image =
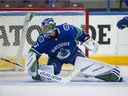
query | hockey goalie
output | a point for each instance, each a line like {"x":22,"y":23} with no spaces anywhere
{"x":59,"y":42}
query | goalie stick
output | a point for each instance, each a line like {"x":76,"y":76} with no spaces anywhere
{"x":27,"y":20}
{"x":14,"y":63}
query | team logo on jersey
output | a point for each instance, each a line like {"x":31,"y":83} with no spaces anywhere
{"x":60,"y":45}
{"x":63,"y":53}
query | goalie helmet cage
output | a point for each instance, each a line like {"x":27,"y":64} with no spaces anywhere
{"x":11,"y":64}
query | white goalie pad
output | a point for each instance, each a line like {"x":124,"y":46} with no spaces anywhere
{"x":46,"y":73}
{"x":31,"y":59}
{"x":47,"y":68}
{"x":91,"y":67}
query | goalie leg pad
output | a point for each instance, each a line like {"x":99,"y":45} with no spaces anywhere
{"x":91,"y":67}
{"x":32,"y":66}
{"x":46,"y":76}
{"x":44,"y":73}
{"x":98,"y":70}
{"x":110,"y":76}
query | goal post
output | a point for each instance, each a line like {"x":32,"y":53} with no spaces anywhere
{"x":11,"y":30}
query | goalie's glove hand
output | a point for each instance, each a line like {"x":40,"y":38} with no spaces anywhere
{"x":92,"y":45}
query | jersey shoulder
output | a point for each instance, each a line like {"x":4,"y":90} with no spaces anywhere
{"x":40,"y":42}
{"x":65,"y":27}
{"x":42,"y":39}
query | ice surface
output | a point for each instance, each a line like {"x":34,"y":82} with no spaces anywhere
{"x":20,"y":84}
{"x":22,"y":77}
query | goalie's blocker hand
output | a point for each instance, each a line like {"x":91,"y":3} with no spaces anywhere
{"x":92,"y":45}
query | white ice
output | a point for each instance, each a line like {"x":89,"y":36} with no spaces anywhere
{"x":19,"y":84}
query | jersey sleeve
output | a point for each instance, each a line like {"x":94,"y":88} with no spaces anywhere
{"x":39,"y":46}
{"x":81,"y":36}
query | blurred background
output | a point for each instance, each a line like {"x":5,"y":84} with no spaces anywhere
{"x":91,"y":5}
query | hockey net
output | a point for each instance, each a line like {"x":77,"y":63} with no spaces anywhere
{"x":16,"y":37}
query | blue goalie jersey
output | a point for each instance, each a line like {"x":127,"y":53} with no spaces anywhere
{"x":64,"y":46}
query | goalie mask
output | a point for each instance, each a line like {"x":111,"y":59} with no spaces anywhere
{"x":48,"y":25}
